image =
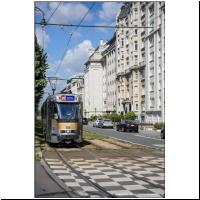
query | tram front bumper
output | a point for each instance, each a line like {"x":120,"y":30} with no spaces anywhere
{"x":68,"y":136}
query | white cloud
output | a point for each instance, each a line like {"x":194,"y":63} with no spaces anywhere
{"x":76,"y":57}
{"x":73,"y":63}
{"x":69,"y":12}
{"x":42,"y":36}
{"x":109,"y":11}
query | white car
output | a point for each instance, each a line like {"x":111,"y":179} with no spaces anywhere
{"x":105,"y":123}
{"x":96,"y":123}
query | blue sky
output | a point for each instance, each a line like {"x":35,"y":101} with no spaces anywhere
{"x":55,"y":38}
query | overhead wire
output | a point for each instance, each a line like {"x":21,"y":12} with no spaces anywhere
{"x":71,"y":37}
{"x":54,"y":12}
{"x":94,"y":26}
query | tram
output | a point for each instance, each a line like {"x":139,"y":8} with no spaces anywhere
{"x":62,"y":118}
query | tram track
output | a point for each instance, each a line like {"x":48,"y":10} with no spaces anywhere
{"x":120,"y":168}
{"x":101,"y":190}
{"x":121,"y":145}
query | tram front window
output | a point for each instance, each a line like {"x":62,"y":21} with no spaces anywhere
{"x":68,"y":111}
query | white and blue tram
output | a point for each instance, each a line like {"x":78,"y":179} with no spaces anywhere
{"x":62,"y":118}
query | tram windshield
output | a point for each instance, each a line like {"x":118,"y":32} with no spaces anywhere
{"x":68,"y":111}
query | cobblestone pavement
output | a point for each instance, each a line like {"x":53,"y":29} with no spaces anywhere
{"x":122,"y":176}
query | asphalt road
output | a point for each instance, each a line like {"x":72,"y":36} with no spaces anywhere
{"x":145,"y":138}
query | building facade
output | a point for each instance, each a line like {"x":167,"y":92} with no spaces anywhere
{"x":130,"y":68}
{"x":155,"y":62}
{"x":93,"y":77}
{"x":109,"y":76}
{"x":140,"y":60}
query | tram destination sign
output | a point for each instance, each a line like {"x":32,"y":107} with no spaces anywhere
{"x":70,"y":98}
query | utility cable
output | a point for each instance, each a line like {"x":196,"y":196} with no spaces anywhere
{"x":71,"y":37}
{"x":53,"y":12}
{"x":93,"y":26}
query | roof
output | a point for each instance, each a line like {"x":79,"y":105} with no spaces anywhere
{"x":125,"y":10}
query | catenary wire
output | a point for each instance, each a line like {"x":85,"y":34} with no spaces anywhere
{"x":71,"y":37}
{"x":53,"y":12}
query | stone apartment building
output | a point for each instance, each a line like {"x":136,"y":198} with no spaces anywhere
{"x":140,"y":60}
{"x":109,"y":76}
{"x":93,"y":77}
{"x":126,"y":73}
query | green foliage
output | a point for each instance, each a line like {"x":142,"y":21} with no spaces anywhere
{"x":115,"y":117}
{"x":130,"y":116}
{"x":93,"y":118}
{"x":38,"y":127}
{"x":40,"y":69}
{"x":158,"y":125}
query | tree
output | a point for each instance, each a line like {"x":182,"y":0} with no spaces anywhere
{"x":130,"y":115}
{"x":40,"y":69}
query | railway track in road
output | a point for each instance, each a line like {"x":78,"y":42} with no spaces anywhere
{"x":121,"y":169}
{"x":99,"y":191}
{"x":139,"y":158}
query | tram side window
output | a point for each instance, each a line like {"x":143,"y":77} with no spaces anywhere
{"x":55,"y":112}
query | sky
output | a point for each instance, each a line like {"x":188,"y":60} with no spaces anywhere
{"x":68,"y":60}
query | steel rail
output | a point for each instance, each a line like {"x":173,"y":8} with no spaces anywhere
{"x":135,"y":156}
{"x":119,"y":168}
{"x":95,"y":185}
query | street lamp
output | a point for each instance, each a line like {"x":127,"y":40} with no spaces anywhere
{"x":43,"y":22}
{"x":53,"y":83}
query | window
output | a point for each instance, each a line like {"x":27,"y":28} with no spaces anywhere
{"x":151,"y":10}
{"x":136,"y":45}
{"x":136,"y":106}
{"x":136,"y":75}
{"x":135,"y":31}
{"x":136,"y":59}
{"x":68,"y":111}
{"x":122,"y":42}
{"x":151,"y":41}
{"x":151,"y":86}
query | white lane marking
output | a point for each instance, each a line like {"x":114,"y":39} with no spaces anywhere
{"x":147,"y":137}
{"x":159,"y":145}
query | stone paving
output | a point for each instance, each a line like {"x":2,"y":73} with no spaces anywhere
{"x":144,"y":176}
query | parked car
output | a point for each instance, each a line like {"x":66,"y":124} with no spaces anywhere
{"x":105,"y":123}
{"x":96,"y":123}
{"x":162,"y":133}
{"x":85,"y":121}
{"x":127,"y":125}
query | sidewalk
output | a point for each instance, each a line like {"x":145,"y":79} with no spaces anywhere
{"x":44,"y":186}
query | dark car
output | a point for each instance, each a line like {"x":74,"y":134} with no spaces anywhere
{"x":162,"y":133}
{"x":85,"y":121}
{"x":127,"y":125}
